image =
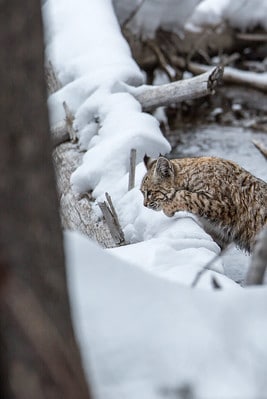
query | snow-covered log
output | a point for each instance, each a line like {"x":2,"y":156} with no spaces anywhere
{"x":76,"y":212}
{"x":155,"y":96}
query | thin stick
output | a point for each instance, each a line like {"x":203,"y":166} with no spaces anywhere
{"x":132,"y":14}
{"x":111,"y":218}
{"x":132,"y":169}
{"x":161,"y":58}
{"x":208,"y":265}
{"x":258,"y":265}
{"x":69,"y":122}
{"x":261,"y":148}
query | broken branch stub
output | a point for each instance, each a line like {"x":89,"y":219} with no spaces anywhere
{"x":132,"y":169}
{"x":111,"y":218}
{"x":64,"y":131}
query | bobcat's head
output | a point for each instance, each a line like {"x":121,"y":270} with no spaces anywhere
{"x":158,"y":183}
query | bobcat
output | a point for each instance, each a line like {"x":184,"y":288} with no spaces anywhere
{"x":229,"y":200}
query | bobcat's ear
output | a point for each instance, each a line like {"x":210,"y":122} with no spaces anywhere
{"x":148,"y":162}
{"x":163,"y":168}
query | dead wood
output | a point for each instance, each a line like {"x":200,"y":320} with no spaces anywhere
{"x":151,"y":97}
{"x":111,"y":218}
{"x":132,"y":169}
{"x":205,"y":84}
{"x":76,"y":211}
{"x":64,"y":130}
{"x":258,"y":265}
{"x":252,"y":37}
{"x":260,"y":147}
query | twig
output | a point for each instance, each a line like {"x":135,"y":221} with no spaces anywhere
{"x":208,"y":265}
{"x":132,"y":14}
{"x":64,"y":130}
{"x":253,"y":37}
{"x":160,"y":57}
{"x":258,"y":265}
{"x":69,"y":123}
{"x":111,"y":218}
{"x":132,"y":169}
{"x":260,"y":147}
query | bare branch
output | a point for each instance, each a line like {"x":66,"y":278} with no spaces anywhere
{"x":260,"y":147}
{"x":208,"y":265}
{"x":69,"y":122}
{"x":160,"y":57}
{"x":64,"y":131}
{"x":132,"y":169}
{"x":111,"y":218}
{"x":132,"y":14}
{"x":256,"y":271}
{"x":252,"y":37}
{"x":199,"y":86}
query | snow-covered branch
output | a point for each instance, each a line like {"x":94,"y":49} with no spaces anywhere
{"x":155,"y":96}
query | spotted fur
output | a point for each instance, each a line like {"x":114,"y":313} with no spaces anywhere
{"x":229,"y":200}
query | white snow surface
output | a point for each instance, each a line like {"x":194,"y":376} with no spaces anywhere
{"x":145,"y":337}
{"x":241,"y":14}
{"x":143,"y":332}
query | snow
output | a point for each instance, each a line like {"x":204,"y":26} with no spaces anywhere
{"x":167,"y":14}
{"x":143,"y":336}
{"x":241,"y":14}
{"x":142,"y":330}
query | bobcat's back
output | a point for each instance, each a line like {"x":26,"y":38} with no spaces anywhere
{"x":229,"y":200}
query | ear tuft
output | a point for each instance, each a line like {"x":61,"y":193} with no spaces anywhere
{"x":148,"y":161}
{"x":163,"y":168}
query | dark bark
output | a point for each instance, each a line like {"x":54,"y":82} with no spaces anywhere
{"x":42,"y":359}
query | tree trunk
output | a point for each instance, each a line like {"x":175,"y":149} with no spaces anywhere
{"x":41,"y":355}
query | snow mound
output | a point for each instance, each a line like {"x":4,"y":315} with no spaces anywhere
{"x":242,"y":14}
{"x":143,"y":337}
